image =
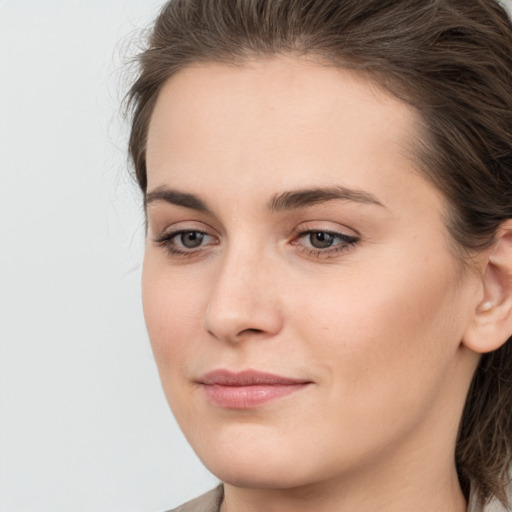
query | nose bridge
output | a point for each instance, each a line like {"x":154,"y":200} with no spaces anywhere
{"x":242,"y":298}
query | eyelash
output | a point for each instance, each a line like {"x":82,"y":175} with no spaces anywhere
{"x":346,"y":243}
{"x":166,"y":241}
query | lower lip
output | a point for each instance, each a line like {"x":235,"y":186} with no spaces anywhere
{"x":248,"y":397}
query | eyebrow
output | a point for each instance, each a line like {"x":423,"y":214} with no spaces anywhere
{"x":175,"y":197}
{"x":291,"y":200}
{"x":297,"y":199}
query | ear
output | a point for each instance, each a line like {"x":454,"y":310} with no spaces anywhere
{"x":491,"y":325}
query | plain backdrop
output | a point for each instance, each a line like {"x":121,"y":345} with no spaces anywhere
{"x":84,"y":426}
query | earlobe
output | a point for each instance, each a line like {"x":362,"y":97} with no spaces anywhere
{"x":485,"y":306}
{"x":491,"y":325}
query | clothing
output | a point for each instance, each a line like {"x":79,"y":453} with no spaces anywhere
{"x":209,"y":502}
{"x":212,"y":500}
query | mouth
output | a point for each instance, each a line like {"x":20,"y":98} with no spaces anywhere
{"x":247,"y":389}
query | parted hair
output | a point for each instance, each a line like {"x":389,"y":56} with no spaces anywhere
{"x":451,"y":60}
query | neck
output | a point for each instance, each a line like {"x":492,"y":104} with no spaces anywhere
{"x":446,"y":496}
{"x":419,"y":479}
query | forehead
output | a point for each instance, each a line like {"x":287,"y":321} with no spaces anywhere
{"x":276,"y":89}
{"x":281,"y":120}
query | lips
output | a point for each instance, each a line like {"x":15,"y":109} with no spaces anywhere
{"x":247,"y":389}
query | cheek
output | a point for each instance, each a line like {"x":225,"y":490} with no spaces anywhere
{"x":172,"y":313}
{"x":391,"y":331}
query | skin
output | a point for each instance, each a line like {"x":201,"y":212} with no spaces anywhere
{"x":375,"y":326}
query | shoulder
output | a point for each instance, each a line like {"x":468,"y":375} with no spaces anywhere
{"x":475,"y":505}
{"x":494,"y":506}
{"x":208,"y":502}
{"x":212,"y":500}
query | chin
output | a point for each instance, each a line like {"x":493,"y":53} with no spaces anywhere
{"x":264,"y":476}
{"x":257,"y":465}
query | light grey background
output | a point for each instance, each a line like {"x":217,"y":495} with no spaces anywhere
{"x":84,"y":426}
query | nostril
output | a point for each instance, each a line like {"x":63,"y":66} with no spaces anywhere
{"x":250,"y":331}
{"x":239,"y":336}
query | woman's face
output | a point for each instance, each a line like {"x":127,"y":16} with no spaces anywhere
{"x":304,"y":309}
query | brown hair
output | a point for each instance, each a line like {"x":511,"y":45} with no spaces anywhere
{"x":452,"y":61}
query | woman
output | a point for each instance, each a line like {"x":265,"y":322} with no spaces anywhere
{"x":327,"y":282}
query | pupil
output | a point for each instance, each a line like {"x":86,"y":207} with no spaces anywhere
{"x":321,"y":240}
{"x":191,"y":239}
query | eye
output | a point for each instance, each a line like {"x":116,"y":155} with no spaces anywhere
{"x":321,"y":239}
{"x":190,"y":239}
{"x":185,"y":242}
{"x":322,"y":244}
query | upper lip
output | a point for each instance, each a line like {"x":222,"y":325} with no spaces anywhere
{"x":247,"y":378}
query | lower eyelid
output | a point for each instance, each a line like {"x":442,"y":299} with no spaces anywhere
{"x":332,"y":252}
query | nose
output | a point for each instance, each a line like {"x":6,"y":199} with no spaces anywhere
{"x":244,"y":300}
